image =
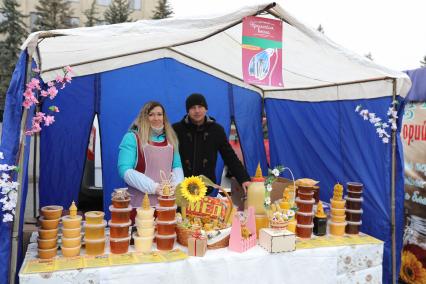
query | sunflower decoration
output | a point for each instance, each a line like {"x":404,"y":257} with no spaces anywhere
{"x":412,"y":270}
{"x":192,"y":189}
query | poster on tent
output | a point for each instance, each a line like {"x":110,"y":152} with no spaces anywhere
{"x":262,"y":51}
{"x":414,"y":143}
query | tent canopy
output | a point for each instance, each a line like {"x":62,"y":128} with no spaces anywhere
{"x":213,"y":45}
{"x":312,"y":126}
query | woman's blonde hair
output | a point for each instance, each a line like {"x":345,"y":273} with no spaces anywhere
{"x":144,"y":128}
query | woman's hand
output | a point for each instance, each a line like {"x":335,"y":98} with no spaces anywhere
{"x":158,"y":189}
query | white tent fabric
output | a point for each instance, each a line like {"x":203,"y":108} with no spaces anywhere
{"x":311,"y":61}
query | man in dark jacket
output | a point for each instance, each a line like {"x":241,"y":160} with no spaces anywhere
{"x":200,"y":139}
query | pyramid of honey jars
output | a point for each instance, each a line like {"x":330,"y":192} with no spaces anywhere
{"x":94,"y":235}
{"x":338,"y":223}
{"x":120,"y":221}
{"x":305,"y":214}
{"x":144,"y":222}
{"x":166,"y":218}
{"x":71,"y":233}
{"x":353,"y":207}
{"x":48,"y":231}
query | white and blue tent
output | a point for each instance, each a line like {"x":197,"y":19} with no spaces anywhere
{"x":313,"y":128}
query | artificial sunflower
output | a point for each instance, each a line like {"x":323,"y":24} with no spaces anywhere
{"x":412,"y":270}
{"x":193,"y":189}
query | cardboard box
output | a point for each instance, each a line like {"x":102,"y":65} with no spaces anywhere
{"x":277,"y":240}
{"x":197,"y":246}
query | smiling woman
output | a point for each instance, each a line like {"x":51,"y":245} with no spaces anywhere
{"x":149,"y":147}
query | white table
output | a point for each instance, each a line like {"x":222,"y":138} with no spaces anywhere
{"x":342,"y":264}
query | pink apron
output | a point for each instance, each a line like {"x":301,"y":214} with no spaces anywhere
{"x":156,"y":158}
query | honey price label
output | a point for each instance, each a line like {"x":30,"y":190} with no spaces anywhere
{"x":150,"y":257}
{"x":122,"y":259}
{"x":39,"y":265}
{"x":97,"y":260}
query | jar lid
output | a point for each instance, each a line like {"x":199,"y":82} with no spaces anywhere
{"x":119,"y":239}
{"x":69,"y":218}
{"x":165,"y":236}
{"x":354,"y":183}
{"x":47,"y":250}
{"x":166,"y":208}
{"x":104,"y":223}
{"x":310,"y":201}
{"x":144,"y":220}
{"x":71,"y":229}
{"x":49,"y":230}
{"x":49,"y":220}
{"x":113,"y":209}
{"x":354,"y":211}
{"x":75,"y":238}
{"x":52,"y":208}
{"x":305,"y":226}
{"x":354,"y":199}
{"x":68,"y":248}
{"x":47,"y":240}
{"x":136,"y":236}
{"x":354,"y":223}
{"x":111,"y":224}
{"x":168,"y":198}
{"x":94,"y":214}
{"x":305,"y":213}
{"x":337,"y":209}
{"x":166,"y":222}
{"x":86,"y":240}
{"x":351,"y":191}
{"x":337,"y":223}
{"x":306,"y":193}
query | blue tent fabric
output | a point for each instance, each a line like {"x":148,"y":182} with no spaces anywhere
{"x":63,"y":145}
{"x":330,"y":142}
{"x":417,"y":92}
{"x":9,"y":147}
{"x":247,"y":111}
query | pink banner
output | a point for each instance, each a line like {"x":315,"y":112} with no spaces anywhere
{"x":262,"y":51}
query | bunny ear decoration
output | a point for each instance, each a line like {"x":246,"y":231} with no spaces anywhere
{"x":166,"y":184}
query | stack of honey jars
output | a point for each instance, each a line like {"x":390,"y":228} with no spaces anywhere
{"x":144,"y":235}
{"x":48,"y":232}
{"x":94,"y":232}
{"x":120,"y":221}
{"x":305,"y":214}
{"x":71,"y":233}
{"x":353,"y":207}
{"x":338,"y":223}
{"x":166,"y":219}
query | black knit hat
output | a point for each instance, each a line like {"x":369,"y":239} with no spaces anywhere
{"x":195,"y":99}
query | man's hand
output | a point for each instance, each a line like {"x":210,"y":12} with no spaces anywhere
{"x":245,"y":186}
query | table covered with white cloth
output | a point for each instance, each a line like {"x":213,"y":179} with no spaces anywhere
{"x":340,"y":264}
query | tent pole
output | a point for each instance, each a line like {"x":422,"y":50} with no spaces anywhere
{"x":20,"y":162}
{"x":393,"y":176}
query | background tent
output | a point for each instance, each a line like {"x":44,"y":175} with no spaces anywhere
{"x":119,"y":67}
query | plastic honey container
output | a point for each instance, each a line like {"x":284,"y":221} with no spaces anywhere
{"x":95,"y":246}
{"x":94,"y":217}
{"x":95,"y":231}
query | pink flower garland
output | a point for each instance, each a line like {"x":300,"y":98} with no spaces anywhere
{"x":30,"y":98}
